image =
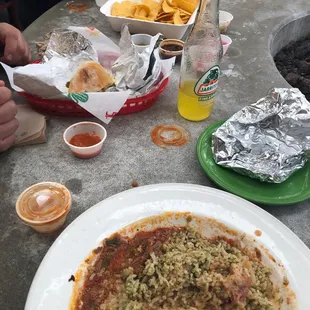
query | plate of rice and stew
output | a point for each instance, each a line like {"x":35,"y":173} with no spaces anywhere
{"x":174,"y":246}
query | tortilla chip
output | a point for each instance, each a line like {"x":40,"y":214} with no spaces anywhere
{"x":141,"y":10}
{"x":123,"y":9}
{"x":163,"y":14}
{"x":183,"y":12}
{"x":154,"y":6}
{"x":176,"y":12}
{"x":194,"y":2}
{"x":186,"y":6}
{"x":151,"y":3}
{"x":177,"y":20}
{"x":172,"y":3}
{"x":166,"y":21}
{"x":164,"y":17}
{"x":185,"y":20}
{"x":167,"y":8}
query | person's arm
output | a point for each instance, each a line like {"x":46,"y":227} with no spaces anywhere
{"x":16,"y":49}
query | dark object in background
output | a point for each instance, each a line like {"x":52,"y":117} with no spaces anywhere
{"x":30,"y":10}
{"x":293,"y":62}
{"x":2,"y":47}
{"x":13,"y":16}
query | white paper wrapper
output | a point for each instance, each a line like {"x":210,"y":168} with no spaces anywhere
{"x":49,"y":80}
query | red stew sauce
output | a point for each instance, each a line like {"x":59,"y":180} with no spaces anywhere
{"x":117,"y":254}
{"x":85,"y":139}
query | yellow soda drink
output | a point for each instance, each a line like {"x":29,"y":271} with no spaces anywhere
{"x":196,"y":98}
{"x":199,"y":68}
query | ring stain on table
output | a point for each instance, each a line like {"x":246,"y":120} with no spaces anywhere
{"x":166,"y":136}
{"x":75,"y":186}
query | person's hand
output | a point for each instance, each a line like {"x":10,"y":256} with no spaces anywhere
{"x":8,"y":122}
{"x":16,"y":49}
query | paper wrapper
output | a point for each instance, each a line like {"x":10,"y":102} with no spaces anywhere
{"x":267,"y":140}
{"x":49,"y":80}
{"x":32,"y":126}
{"x":138,"y":72}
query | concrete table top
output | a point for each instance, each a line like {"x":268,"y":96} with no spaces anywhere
{"x":129,"y":154}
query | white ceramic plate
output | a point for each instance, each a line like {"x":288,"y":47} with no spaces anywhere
{"x":51,"y":290}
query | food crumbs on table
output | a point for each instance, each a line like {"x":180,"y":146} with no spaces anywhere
{"x":85,"y":139}
{"x":134,"y":183}
{"x":72,"y":278}
{"x":258,"y":233}
{"x":169,"y":135}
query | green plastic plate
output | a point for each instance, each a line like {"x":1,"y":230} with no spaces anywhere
{"x":295,"y":189}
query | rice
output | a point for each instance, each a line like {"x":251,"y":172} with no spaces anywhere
{"x":193,"y":272}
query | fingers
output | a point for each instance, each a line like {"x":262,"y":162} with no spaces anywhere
{"x":8,"y":122}
{"x":2,"y":83}
{"x":6,"y":143}
{"x":23,"y":51}
{"x":7,"y":112}
{"x":16,"y":51}
{"x":27,"y":55}
{"x":12,"y":48}
{"x":8,"y":129}
{"x":5,"y":95}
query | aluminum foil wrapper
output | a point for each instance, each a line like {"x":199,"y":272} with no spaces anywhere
{"x":134,"y":71}
{"x":268,"y":140}
{"x":66,"y":51}
{"x":68,"y":44}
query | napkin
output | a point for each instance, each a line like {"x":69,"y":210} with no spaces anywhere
{"x":32,"y":126}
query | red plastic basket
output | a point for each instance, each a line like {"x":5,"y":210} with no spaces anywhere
{"x":70,"y":108}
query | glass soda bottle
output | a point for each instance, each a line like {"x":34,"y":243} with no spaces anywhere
{"x":200,"y":64}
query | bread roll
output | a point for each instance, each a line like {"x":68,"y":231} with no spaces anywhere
{"x":90,"y":77}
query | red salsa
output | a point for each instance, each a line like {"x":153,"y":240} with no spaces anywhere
{"x":85,"y":139}
{"x":116,"y":254}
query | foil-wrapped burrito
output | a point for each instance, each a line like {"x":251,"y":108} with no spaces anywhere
{"x":65,"y":43}
{"x":268,"y":140}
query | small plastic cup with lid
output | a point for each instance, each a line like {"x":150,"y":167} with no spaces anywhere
{"x":44,"y":206}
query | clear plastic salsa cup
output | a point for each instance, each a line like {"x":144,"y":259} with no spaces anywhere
{"x":44,"y":206}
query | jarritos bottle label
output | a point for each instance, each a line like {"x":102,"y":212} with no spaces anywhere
{"x":206,"y":86}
